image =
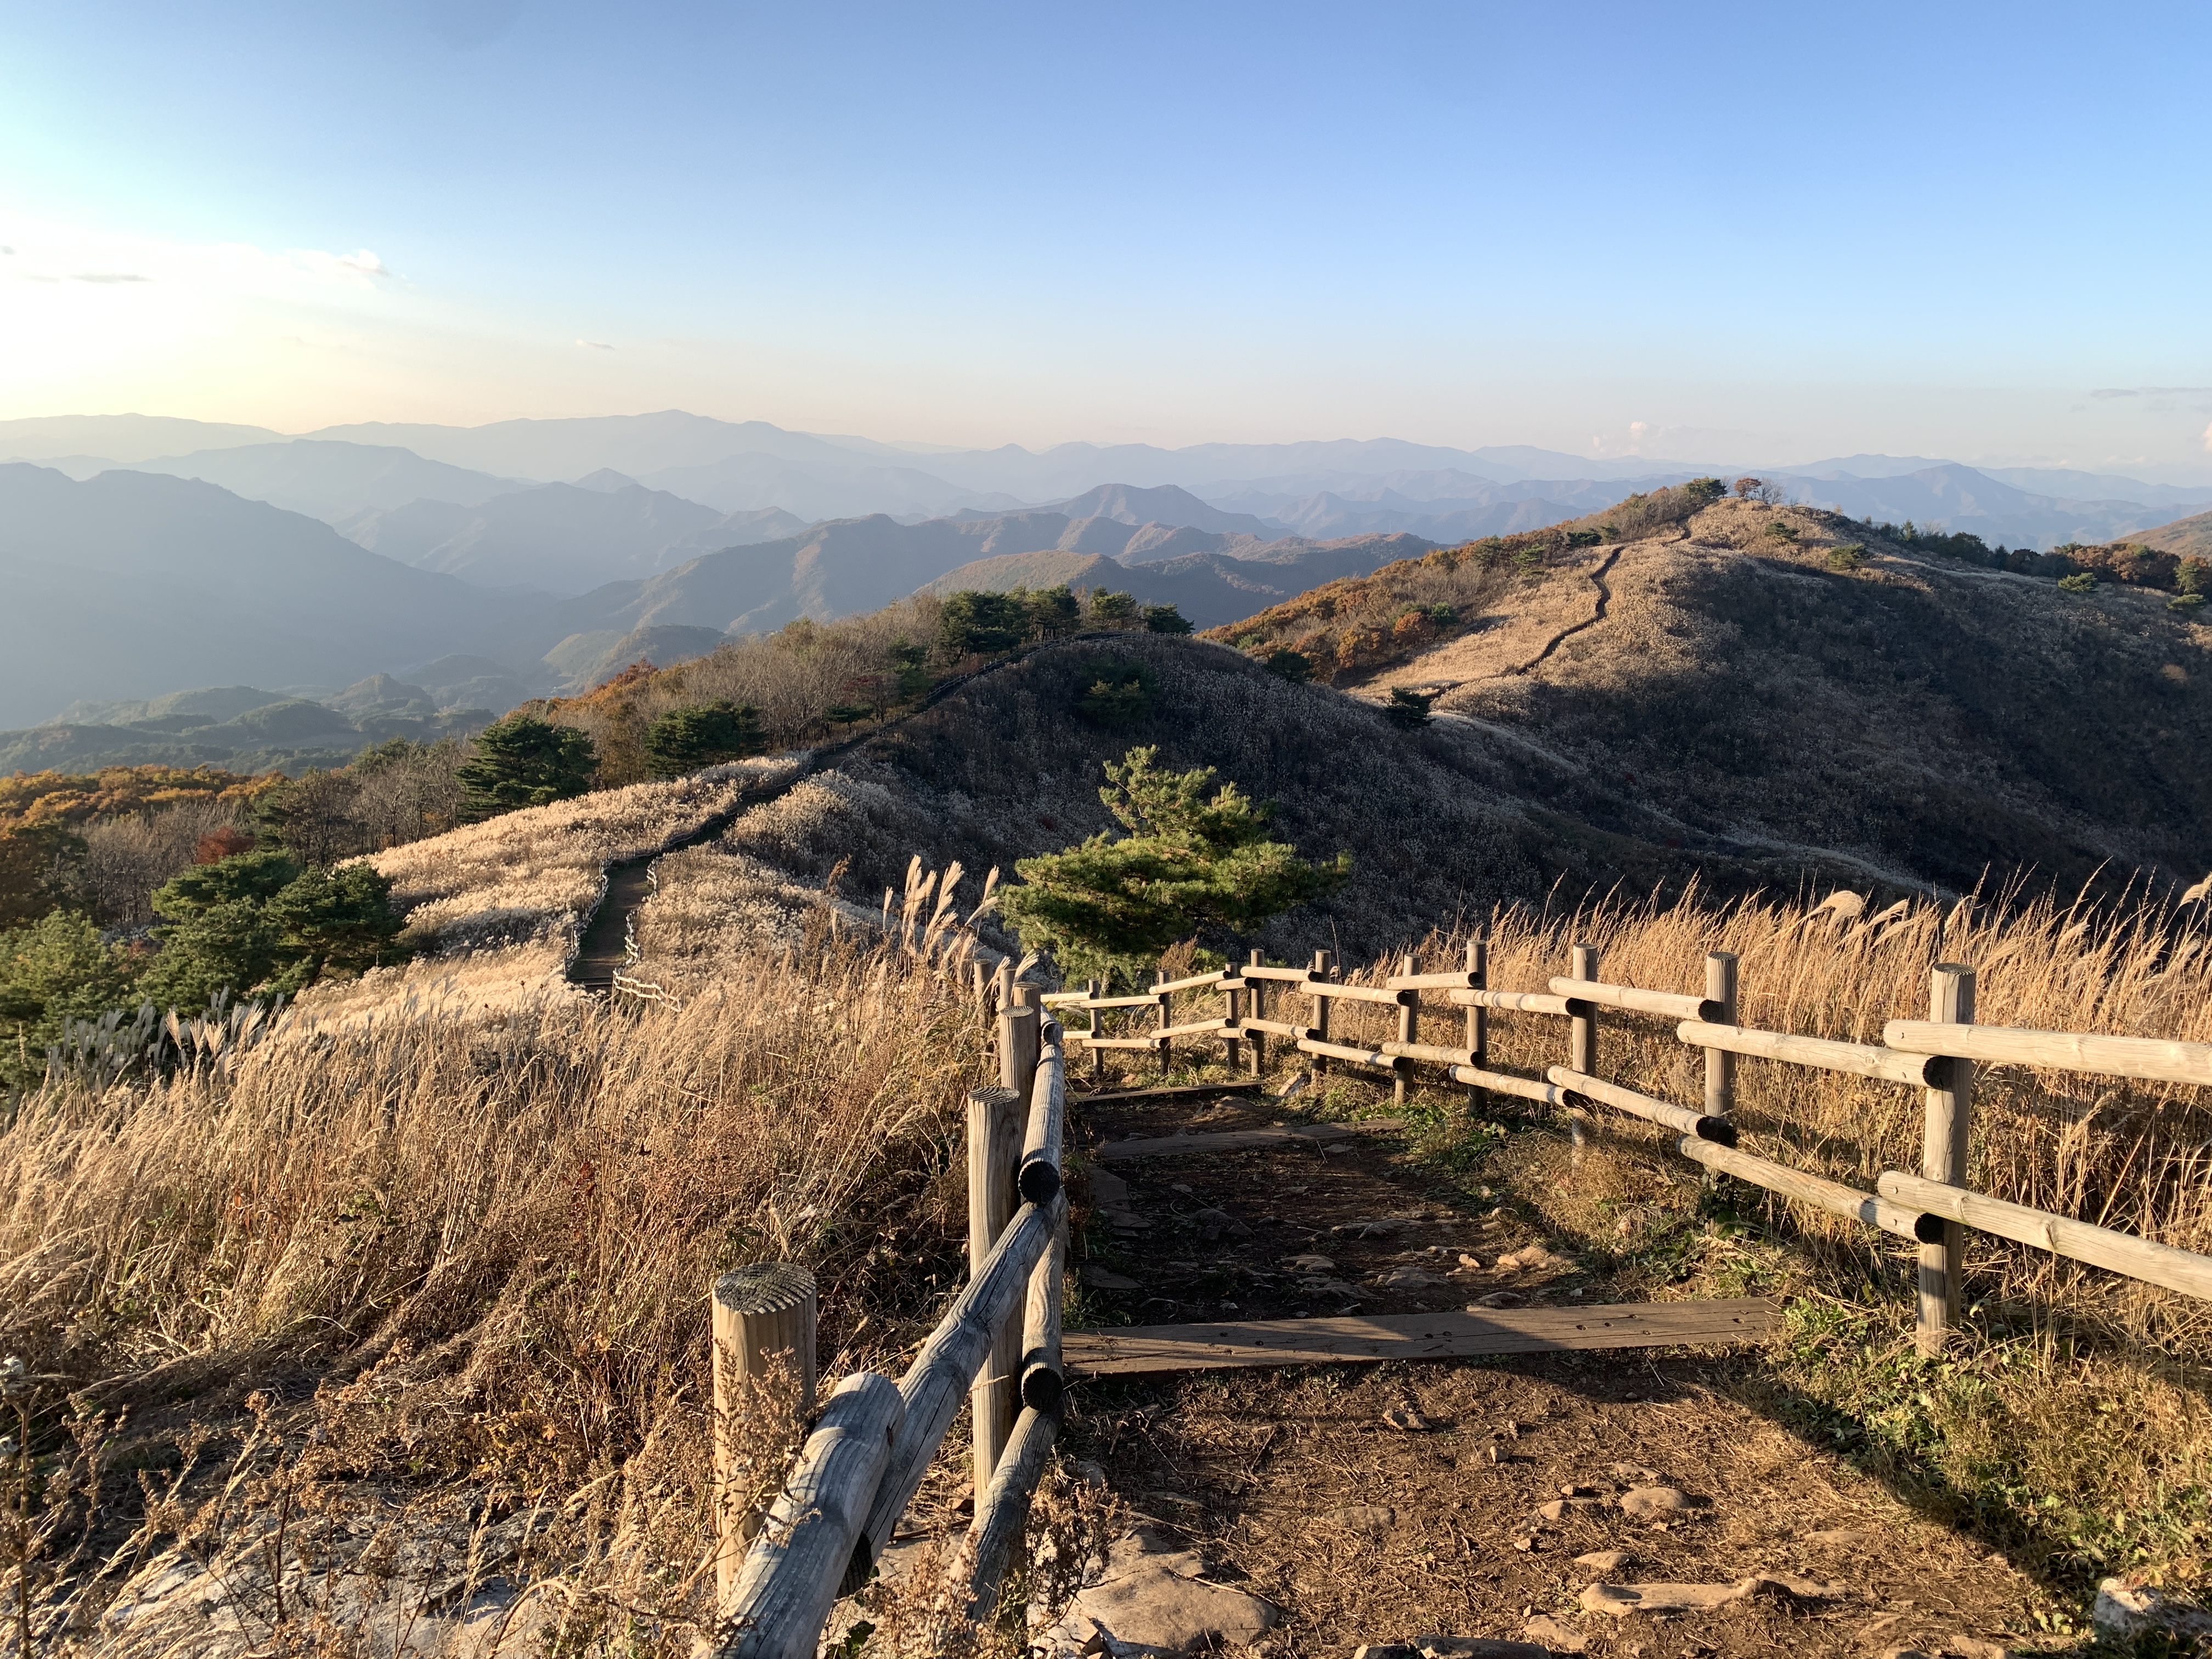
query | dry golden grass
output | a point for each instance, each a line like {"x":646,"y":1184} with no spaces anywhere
{"x":535,"y":874}
{"x":473,"y":1251}
{"x":498,"y":908}
{"x":2070,"y":1421}
{"x":490,"y":1242}
{"x":2132,"y":1156}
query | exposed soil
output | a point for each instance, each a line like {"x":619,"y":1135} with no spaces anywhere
{"x":1294,"y":1486}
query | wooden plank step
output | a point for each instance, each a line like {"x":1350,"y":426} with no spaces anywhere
{"x":1232,"y":1344}
{"x":1167,"y":1090}
{"x":1230,"y":1140}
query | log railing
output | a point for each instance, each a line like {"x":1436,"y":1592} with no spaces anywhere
{"x":1938,"y":1055}
{"x":997,"y":1348}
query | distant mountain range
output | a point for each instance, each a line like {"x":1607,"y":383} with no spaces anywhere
{"x":542,"y":550}
{"x":140,"y":582}
{"x":1960,"y":498}
{"x":133,"y":583}
{"x":563,"y":538}
{"x":1319,"y":489}
{"x":243,"y":728}
{"x":322,"y":479}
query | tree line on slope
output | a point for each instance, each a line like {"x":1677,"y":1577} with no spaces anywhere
{"x":175,"y":887}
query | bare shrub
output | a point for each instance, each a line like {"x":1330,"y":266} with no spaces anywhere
{"x":793,"y":677}
{"x":126,"y":859}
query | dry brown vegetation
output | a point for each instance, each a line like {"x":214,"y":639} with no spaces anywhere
{"x":793,"y":676}
{"x":469,"y":1257}
{"x":463,"y":1259}
{"x":2190,"y":538}
{"x":1914,"y":718}
{"x":458,"y":1238}
{"x":2070,"y":1424}
{"x":1350,"y":628}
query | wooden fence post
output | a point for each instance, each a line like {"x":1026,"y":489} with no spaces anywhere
{"x":1409,"y":1014}
{"x":1167,"y":1047}
{"x":1720,"y":988}
{"x":1018,"y":1041}
{"x":1323,"y":963}
{"x":1093,"y":989}
{"x":760,"y":1312}
{"x":1943,"y":1156}
{"x":1478,"y":1019}
{"x":1720,"y":1063}
{"x":1255,"y":1051}
{"x":994,"y":1156}
{"x":1582,"y":1043}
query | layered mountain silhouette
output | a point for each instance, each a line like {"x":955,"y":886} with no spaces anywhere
{"x":1962,"y":498}
{"x":1322,"y":488}
{"x":132,"y":583}
{"x":564,"y":538}
{"x":330,"y":480}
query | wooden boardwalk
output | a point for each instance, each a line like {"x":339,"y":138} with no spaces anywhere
{"x":1232,"y":1344}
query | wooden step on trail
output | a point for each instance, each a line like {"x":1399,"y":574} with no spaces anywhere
{"x":1232,"y":1344}
{"x":1166,"y":1091}
{"x":1230,"y":1140}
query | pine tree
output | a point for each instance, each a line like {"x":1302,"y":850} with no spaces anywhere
{"x":1188,"y":864}
{"x":523,"y":761}
{"x":684,"y":739}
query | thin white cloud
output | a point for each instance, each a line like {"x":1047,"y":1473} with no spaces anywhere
{"x":2208,"y":437}
{"x":359,"y":266}
{"x":2149,"y":390}
{"x":596,"y":345}
{"x":108,"y":277}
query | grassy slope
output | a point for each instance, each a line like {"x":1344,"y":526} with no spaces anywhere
{"x":2183,"y":537}
{"x":1927,"y":718}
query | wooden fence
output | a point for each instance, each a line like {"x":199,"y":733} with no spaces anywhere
{"x":1938,"y":1055}
{"x":999,"y":1346}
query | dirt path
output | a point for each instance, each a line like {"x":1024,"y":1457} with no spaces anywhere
{"x":1597,"y":616}
{"x":604,"y":946}
{"x":1299,"y":1487}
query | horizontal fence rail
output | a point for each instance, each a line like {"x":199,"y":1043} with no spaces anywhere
{"x":1938,"y":1055}
{"x":997,"y":1347}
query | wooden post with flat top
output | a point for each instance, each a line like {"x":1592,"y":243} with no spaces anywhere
{"x":1093,"y":989}
{"x":1409,"y":1014}
{"x":760,"y":1313}
{"x":994,"y":1156}
{"x":1582,"y":1044}
{"x":1255,"y":1042}
{"x":1478,"y":1019}
{"x":1323,"y":966}
{"x":1017,"y":1037}
{"x":1943,"y":1156}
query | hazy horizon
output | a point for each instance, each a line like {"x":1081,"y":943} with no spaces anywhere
{"x":1971,"y":234}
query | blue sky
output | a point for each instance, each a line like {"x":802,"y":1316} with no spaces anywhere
{"x":1761,"y":231}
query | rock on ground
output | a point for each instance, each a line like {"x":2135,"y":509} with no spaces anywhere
{"x":1155,"y":1602}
